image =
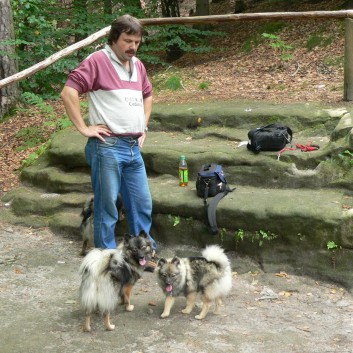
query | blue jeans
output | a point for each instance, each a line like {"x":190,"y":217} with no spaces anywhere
{"x":117,"y":167}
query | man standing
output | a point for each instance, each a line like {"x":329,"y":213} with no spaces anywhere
{"x":120,"y":104}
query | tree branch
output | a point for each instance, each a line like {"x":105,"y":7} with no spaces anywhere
{"x":181,"y":21}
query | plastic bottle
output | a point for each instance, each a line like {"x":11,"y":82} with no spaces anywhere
{"x":183,"y":172}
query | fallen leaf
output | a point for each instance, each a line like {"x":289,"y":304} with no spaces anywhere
{"x":285,"y":294}
{"x":282,"y":274}
{"x":304,"y":328}
{"x":71,"y":301}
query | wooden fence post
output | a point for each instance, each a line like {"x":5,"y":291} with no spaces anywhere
{"x":348,"y":61}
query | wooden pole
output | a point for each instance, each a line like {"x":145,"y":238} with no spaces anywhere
{"x":181,"y":21}
{"x":348,"y":61}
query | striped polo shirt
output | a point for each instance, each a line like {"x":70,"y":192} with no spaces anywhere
{"x":115,"y":95}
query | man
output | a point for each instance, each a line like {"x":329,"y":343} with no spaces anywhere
{"x":120,"y":104}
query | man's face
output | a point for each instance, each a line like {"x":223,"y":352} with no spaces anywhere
{"x":126,"y":46}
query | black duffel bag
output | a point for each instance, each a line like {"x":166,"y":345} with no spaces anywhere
{"x":273,"y":137}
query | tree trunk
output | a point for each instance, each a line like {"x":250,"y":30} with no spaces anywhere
{"x":202,"y":8}
{"x":80,"y":17}
{"x":348,"y":4}
{"x":239,"y":6}
{"x":108,"y":7}
{"x":170,"y":8}
{"x":8,"y":63}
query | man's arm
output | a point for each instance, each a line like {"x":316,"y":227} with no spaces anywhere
{"x":71,"y":100}
{"x":147,"y":106}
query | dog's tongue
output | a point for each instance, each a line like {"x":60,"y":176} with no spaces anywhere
{"x":142,"y":262}
{"x":169,"y":288}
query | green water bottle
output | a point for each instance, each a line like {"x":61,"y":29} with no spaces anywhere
{"x":183,"y":172}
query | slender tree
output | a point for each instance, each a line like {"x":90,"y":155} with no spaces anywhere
{"x":202,"y":8}
{"x":8,"y":63}
{"x":170,"y":8}
{"x":239,"y":6}
{"x":348,"y":4}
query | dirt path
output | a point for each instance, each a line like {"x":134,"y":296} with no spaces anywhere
{"x":40,"y":313}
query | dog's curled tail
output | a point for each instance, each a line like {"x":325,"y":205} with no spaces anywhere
{"x":214,"y":253}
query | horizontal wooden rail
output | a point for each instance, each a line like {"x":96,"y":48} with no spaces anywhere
{"x":309,"y":15}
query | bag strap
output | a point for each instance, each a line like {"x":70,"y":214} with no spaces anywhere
{"x":210,"y":209}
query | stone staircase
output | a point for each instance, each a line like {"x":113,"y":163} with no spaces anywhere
{"x":283,"y":212}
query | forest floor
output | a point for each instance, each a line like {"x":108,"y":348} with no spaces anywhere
{"x":264,"y":312}
{"x":242,"y":66}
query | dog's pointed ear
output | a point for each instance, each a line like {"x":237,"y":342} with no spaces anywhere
{"x":113,"y":263}
{"x":127,"y":238}
{"x":162,"y":262}
{"x":143,"y":234}
{"x":176,"y":261}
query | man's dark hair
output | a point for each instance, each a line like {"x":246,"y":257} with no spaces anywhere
{"x":124,"y":24}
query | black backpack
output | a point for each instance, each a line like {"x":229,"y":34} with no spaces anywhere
{"x":273,"y":137}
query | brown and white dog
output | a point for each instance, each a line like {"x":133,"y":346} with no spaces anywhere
{"x":107,"y":274}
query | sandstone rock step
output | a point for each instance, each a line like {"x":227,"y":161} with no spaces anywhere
{"x":63,"y":167}
{"x":283,"y":212}
{"x":317,"y":216}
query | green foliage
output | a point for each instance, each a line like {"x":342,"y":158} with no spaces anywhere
{"x":239,"y":236}
{"x":173,"y":83}
{"x":203,"y":85}
{"x":346,"y":159}
{"x":269,"y":28}
{"x":174,"y":219}
{"x":273,"y":27}
{"x":41,"y":31}
{"x":331,"y":245}
{"x":259,"y":237}
{"x":279,"y":45}
{"x":34,"y":155}
{"x":248,"y":45}
{"x":31,"y":136}
{"x":262,"y":236}
{"x":34,"y":136}
{"x":45,"y":108}
{"x":186,"y":38}
{"x":169,"y":79}
{"x":222,"y":234}
{"x":318,"y":41}
{"x":334,"y":61}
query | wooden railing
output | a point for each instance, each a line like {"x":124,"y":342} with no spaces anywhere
{"x":344,"y":14}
